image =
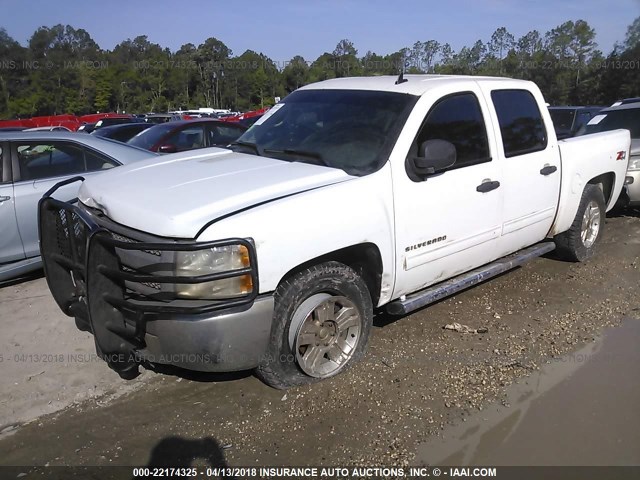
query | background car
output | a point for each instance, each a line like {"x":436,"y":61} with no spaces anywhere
{"x":184,"y":135}
{"x":156,"y":118}
{"x":123,"y":132}
{"x":30,"y":164}
{"x":57,"y":128}
{"x":627,"y":116}
{"x":624,"y":101}
{"x":106,"y":122}
{"x":568,"y":120}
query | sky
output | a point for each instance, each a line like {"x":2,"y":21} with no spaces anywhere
{"x":282,"y":29}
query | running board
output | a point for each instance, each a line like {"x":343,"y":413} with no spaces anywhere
{"x":437,"y":292}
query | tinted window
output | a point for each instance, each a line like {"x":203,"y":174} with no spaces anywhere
{"x":187,"y":138}
{"x":457,"y":119}
{"x":49,"y":160}
{"x":224,"y":134}
{"x":97,"y":162}
{"x":520,"y":121}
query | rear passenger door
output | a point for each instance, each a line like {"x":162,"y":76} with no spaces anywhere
{"x":10,"y":242}
{"x":530,"y":166}
{"x":38,"y":166}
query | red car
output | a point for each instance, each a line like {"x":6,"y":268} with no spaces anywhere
{"x":184,"y":135}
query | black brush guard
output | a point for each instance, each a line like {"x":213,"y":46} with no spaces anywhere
{"x":85,"y":271}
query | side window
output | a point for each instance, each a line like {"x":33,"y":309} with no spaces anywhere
{"x":97,"y":162}
{"x":457,"y":119}
{"x":44,"y":160}
{"x":520,"y":121}
{"x":223,"y":134}
{"x":187,"y":138}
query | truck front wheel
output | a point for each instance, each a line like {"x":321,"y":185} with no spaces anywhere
{"x":579,"y":242}
{"x":321,"y":325}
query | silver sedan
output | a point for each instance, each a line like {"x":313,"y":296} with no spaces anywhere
{"x":30,"y":164}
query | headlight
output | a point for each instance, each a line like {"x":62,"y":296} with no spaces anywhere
{"x":634,"y":163}
{"x":214,"y":260}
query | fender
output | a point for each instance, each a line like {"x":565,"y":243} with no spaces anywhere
{"x":290,"y":231}
{"x":582,"y":161}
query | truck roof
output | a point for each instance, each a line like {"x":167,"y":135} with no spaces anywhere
{"x":414,"y":84}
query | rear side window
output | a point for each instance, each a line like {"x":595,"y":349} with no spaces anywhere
{"x":520,"y":121}
{"x":187,"y":139}
{"x":95,"y":161}
{"x":458,"y":119}
{"x":39,"y":160}
{"x":224,"y":134}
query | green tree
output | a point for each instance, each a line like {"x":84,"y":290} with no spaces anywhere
{"x":295,"y":73}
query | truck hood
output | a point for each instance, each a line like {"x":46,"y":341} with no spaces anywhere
{"x":179,"y":195}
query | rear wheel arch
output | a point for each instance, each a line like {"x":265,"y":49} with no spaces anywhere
{"x":606,"y":182}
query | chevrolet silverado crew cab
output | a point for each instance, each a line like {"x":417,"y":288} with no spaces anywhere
{"x":350,"y":194}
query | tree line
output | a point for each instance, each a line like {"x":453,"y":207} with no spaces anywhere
{"x":63,"y":70}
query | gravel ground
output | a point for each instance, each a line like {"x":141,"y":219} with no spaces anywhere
{"x":416,"y":380}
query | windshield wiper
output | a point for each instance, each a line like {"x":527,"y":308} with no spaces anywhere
{"x":299,"y":153}
{"x":250,"y":145}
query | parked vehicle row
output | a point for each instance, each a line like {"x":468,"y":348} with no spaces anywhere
{"x":30,"y":164}
{"x":36,"y":160}
{"x":350,"y":194}
{"x":625,"y":115}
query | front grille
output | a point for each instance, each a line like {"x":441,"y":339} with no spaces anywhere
{"x":142,"y":269}
{"x":117,"y":282}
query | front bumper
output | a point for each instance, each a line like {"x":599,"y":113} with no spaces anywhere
{"x":121,"y":285}
{"x":220,"y":343}
{"x":633,"y":189}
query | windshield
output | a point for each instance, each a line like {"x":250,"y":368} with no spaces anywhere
{"x":603,"y":122}
{"x":348,"y":129}
{"x":148,"y":138}
{"x":562,"y":119}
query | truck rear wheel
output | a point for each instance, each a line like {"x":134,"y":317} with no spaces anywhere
{"x":322,"y":320}
{"x":579,"y":242}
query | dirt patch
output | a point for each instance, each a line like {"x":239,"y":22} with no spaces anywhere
{"x":47,"y":363}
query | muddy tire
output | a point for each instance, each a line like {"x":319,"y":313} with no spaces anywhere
{"x":321,"y":325}
{"x":579,"y":242}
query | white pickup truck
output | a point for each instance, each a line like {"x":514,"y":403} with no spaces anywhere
{"x":350,"y":194}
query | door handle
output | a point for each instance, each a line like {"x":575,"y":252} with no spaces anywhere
{"x":4,"y":199}
{"x":487,"y":186}
{"x":548,"y":170}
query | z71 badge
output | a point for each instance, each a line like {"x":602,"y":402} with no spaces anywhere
{"x":622,"y":155}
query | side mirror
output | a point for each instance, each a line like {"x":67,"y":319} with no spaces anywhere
{"x":434,"y":156}
{"x":167,"y":148}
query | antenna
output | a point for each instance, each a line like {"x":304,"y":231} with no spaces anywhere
{"x":401,"y":78}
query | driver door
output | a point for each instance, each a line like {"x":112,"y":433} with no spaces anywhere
{"x":450,"y":221}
